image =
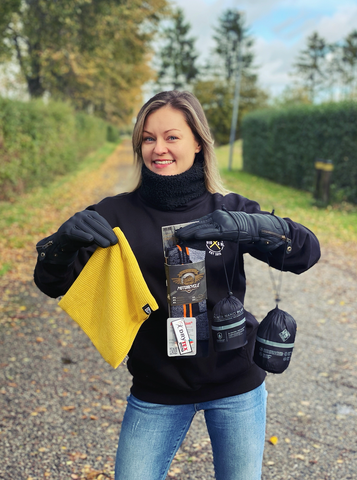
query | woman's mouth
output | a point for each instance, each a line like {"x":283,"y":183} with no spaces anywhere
{"x":163,"y":162}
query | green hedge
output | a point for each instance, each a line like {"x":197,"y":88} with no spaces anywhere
{"x":39,"y":142}
{"x":283,"y":145}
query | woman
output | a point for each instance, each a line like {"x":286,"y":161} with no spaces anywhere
{"x":178,"y":183}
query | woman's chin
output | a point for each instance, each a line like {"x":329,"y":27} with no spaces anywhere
{"x":170,"y":169}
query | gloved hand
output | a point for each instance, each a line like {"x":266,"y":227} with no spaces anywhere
{"x":82,"y":230}
{"x":266,"y":231}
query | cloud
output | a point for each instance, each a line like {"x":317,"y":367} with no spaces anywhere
{"x":338,"y":26}
{"x":275,"y":59}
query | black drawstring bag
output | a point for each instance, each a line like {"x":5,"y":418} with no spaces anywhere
{"x":275,"y":335}
{"x":229,"y":324}
{"x":275,"y":341}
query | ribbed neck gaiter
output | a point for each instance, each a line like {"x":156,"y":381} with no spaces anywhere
{"x":167,"y":192}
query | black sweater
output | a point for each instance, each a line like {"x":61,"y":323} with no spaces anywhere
{"x":156,"y":377}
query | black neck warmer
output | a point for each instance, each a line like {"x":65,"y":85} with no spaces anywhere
{"x":167,"y":192}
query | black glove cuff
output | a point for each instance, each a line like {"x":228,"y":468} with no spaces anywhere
{"x":50,"y":252}
{"x":274,"y":232}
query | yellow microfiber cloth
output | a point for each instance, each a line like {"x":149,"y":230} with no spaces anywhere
{"x":110,"y":300}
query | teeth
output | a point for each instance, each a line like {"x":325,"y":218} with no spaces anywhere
{"x":163,"y":162}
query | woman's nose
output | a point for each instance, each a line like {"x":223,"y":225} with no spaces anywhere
{"x":160,"y":147}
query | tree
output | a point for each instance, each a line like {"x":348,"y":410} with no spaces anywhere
{"x":91,"y":52}
{"x":177,"y":56}
{"x":230,"y":33}
{"x":349,"y":62}
{"x":230,"y":78}
{"x":311,"y":63}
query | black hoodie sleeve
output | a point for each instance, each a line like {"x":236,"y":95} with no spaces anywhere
{"x":305,"y":246}
{"x":304,"y":254}
{"x":55,"y":280}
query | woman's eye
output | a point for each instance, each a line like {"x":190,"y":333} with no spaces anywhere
{"x":172,"y":137}
{"x":148,"y":139}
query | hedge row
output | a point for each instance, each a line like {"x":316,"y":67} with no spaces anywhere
{"x":283,"y":145}
{"x":39,"y":142}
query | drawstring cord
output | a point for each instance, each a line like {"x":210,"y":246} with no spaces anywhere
{"x":277,"y":286}
{"x":230,"y":286}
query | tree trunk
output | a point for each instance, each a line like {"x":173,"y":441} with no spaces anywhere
{"x":34,"y":80}
{"x":34,"y":86}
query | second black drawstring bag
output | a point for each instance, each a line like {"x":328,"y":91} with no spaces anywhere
{"x":275,"y":341}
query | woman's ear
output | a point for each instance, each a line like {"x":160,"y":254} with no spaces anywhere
{"x":198,"y":148}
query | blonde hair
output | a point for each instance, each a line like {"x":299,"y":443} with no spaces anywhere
{"x":189,"y":105}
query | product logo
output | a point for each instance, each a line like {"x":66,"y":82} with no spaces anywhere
{"x":284,"y":335}
{"x":188,"y":280}
{"x":147,"y":309}
{"x":215,"y":247}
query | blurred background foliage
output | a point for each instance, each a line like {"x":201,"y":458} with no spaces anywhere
{"x":39,"y":142}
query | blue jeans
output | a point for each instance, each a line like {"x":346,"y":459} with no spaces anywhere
{"x":152,"y":433}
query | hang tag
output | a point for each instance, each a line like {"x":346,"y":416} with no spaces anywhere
{"x":181,"y":337}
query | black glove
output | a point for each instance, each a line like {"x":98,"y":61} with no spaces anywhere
{"x":266,"y":231}
{"x":82,"y":230}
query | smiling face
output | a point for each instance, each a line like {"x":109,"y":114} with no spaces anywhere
{"x":168,"y":144}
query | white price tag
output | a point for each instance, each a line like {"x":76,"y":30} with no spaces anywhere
{"x":181,"y":337}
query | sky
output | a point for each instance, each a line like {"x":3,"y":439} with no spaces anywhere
{"x":280,"y":29}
